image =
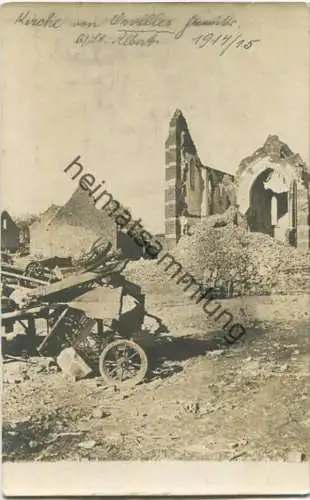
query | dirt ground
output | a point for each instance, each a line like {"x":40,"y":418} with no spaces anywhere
{"x":204,"y":400}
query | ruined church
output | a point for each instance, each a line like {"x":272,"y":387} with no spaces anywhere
{"x":270,"y":189}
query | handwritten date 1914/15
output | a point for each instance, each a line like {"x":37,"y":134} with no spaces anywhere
{"x":224,"y":41}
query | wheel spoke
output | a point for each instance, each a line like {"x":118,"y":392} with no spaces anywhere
{"x":134,"y":365}
{"x":117,"y":354}
{"x":132,"y":372}
{"x":114,"y":369}
{"x":133,"y":355}
{"x":111,"y":367}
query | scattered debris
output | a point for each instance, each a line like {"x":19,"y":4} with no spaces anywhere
{"x":283,"y":368}
{"x":237,"y":455}
{"x":65,"y":434}
{"x":192,"y":408}
{"x":215,"y":353}
{"x":15,"y":374}
{"x":230,"y":384}
{"x":33,"y":444}
{"x":239,"y":444}
{"x":88,"y":445}
{"x":100,"y":413}
{"x":115,"y":439}
{"x":19,"y":358}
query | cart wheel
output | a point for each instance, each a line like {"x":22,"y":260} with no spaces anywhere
{"x":123,"y":361}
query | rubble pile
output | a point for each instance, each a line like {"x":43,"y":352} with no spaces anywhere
{"x":214,"y":253}
{"x":231,"y":260}
{"x":277,"y":268}
{"x":250,"y":263}
{"x":151,"y":277}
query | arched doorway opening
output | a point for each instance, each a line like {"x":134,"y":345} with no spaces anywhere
{"x":275,"y":183}
{"x":269,"y":207}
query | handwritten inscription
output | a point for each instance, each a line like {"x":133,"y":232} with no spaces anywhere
{"x":52,"y":21}
{"x":127,"y":38}
{"x":196,"y":21}
{"x":223,"y":40}
{"x":148,"y":30}
{"x":149,"y":20}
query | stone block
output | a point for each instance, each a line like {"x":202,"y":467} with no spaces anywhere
{"x":171,"y":156}
{"x":72,"y":365}
{"x":170,"y":210}
{"x":171,"y":172}
{"x":170,"y":194}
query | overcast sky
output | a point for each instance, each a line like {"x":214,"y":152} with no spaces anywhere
{"x":112,"y":104}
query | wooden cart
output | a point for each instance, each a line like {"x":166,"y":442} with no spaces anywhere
{"x":86,"y":312}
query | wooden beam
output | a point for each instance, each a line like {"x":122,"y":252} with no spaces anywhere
{"x":23,"y":278}
{"x":63,"y":285}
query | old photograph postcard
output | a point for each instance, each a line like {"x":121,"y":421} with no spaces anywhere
{"x":155,"y":248}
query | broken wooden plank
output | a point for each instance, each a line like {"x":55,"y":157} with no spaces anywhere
{"x":53,"y":330}
{"x":64,"y":285}
{"x":24,"y":314}
{"x":21,"y":277}
{"x":18,"y":358}
{"x":12,"y":269}
{"x":15,"y":286}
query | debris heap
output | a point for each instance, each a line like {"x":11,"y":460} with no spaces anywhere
{"x":253,"y":263}
{"x":152,"y":278}
{"x":232,"y":260}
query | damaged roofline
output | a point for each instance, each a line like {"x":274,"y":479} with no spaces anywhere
{"x":179,"y":115}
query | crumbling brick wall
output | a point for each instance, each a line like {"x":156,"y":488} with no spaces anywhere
{"x":193,"y":190}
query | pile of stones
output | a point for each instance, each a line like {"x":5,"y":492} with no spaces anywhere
{"x":237,"y":262}
{"x":232,"y":261}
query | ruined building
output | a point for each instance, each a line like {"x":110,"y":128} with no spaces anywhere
{"x":9,"y":233}
{"x":271,"y":189}
{"x":71,"y":229}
